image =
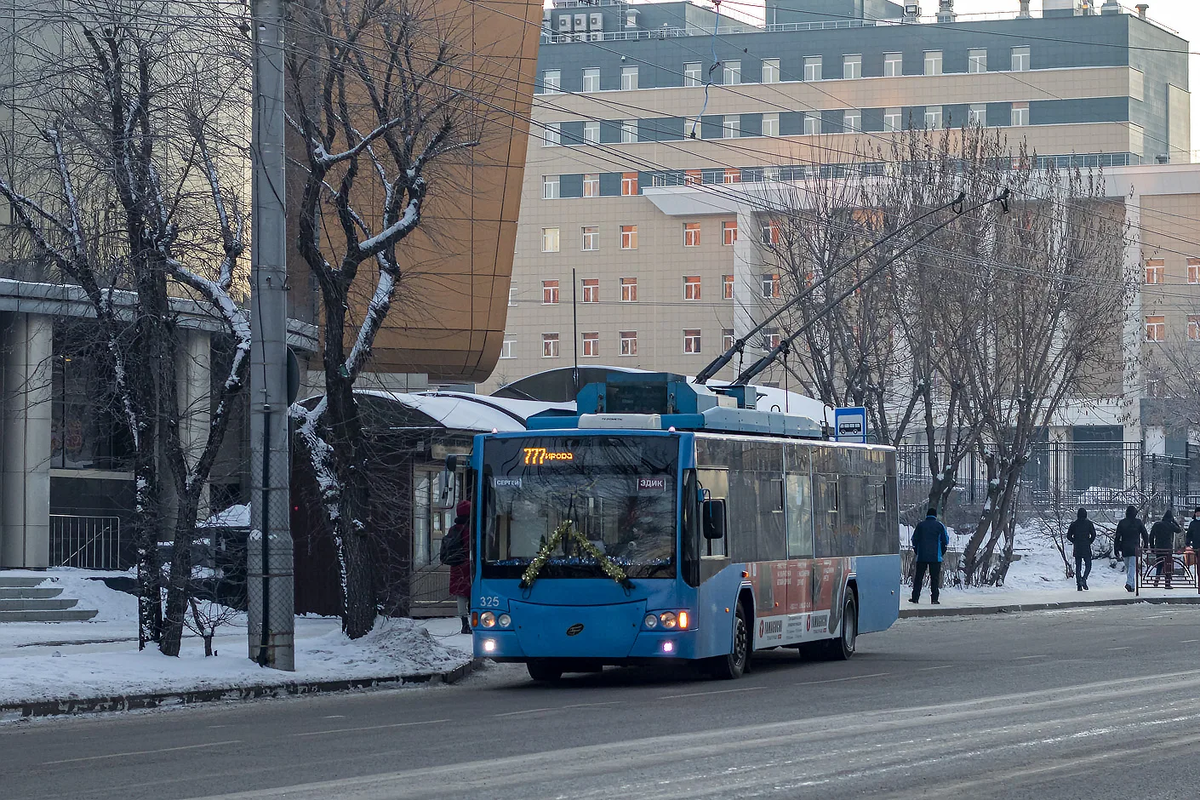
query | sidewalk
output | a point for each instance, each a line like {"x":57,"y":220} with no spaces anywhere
{"x":958,"y":602}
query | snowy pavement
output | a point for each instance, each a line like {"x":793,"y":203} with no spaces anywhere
{"x":52,"y":661}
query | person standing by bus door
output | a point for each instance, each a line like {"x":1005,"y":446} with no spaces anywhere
{"x":1081,"y":534}
{"x":1129,"y":536}
{"x":460,"y":565}
{"x":929,"y":543}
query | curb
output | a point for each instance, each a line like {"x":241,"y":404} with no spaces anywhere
{"x":132,"y":702}
{"x":908,"y":613}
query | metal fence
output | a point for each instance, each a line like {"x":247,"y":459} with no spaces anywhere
{"x":85,"y":542}
{"x":1091,"y":474}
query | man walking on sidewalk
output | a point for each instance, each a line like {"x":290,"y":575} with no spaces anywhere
{"x":929,"y":543}
{"x":1130,"y":535}
{"x":1081,"y":534}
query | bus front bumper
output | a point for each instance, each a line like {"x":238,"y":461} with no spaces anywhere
{"x":649,"y":646}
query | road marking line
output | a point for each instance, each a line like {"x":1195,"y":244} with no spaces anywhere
{"x":704,"y":694}
{"x":1190,"y":641}
{"x":141,"y":752}
{"x":335,"y":716}
{"x":525,"y":711}
{"x":943,"y":666}
{"x":590,"y":705}
{"x":1026,"y":658}
{"x":1119,"y":648}
{"x":850,"y":678}
{"x":372,"y":727}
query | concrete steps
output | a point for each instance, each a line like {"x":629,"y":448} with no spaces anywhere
{"x":25,"y":599}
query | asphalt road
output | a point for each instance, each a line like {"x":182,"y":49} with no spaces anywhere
{"x":1086,"y":703}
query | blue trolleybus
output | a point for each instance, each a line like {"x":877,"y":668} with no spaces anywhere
{"x":670,"y":522}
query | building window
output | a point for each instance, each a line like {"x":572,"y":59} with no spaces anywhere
{"x":691,"y":341}
{"x":591,"y":290}
{"x":933,"y":117}
{"x":726,"y":340}
{"x":549,"y":240}
{"x":629,"y":78}
{"x":691,"y":287}
{"x":812,"y":68}
{"x":851,"y":67}
{"x":770,"y":338}
{"x":731,"y":126}
{"x":629,"y":184}
{"x":591,"y":79}
{"x":770,"y":285}
{"x":770,"y":124}
{"x":691,"y":234}
{"x":691,"y":73}
{"x":512,"y":295}
{"x":551,"y":81}
{"x":628,"y":238}
{"x":977,"y":114}
{"x":731,"y":175}
{"x":629,"y":131}
{"x":893,"y":65}
{"x":812,"y":125}
{"x":550,"y":187}
{"x":591,"y":344}
{"x":591,"y":132}
{"x":508,"y":349}
{"x":977,"y":60}
{"x":1193,"y":329}
{"x":1020,"y":115}
{"x":770,"y":233}
{"x":550,"y":293}
{"x":590,"y":236}
{"x":1193,"y":270}
{"x":891,"y":120}
{"x":1155,"y":267}
{"x":852,"y":121}
{"x":729,"y":231}
{"x":933,"y":62}
{"x":770,"y":70}
{"x":549,"y":345}
{"x":727,"y":287}
{"x":1156,"y":329}
{"x":732,"y":73}
{"x":692,"y":177}
{"x":628,"y":343}
{"x":591,"y":184}
{"x":552,"y":134}
{"x":1020,"y":59}
{"x":628,"y":290}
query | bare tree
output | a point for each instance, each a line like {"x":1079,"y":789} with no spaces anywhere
{"x":380,"y":105}
{"x":1049,"y":284}
{"x":141,"y":126}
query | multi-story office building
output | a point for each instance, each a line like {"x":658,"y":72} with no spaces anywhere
{"x":657,"y":121}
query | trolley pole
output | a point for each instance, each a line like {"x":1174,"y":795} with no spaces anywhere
{"x":269,"y":550}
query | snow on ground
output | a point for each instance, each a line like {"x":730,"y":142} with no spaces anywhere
{"x":45,"y":661}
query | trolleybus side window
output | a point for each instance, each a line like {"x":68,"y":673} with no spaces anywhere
{"x":825,"y":517}
{"x":798,"y":502}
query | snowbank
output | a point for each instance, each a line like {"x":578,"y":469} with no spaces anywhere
{"x":232,"y":517}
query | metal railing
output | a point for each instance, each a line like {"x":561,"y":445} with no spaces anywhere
{"x":85,"y":542}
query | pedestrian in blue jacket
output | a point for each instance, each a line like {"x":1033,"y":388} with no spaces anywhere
{"x":929,"y":543}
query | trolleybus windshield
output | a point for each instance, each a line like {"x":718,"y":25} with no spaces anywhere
{"x":618,"y":493}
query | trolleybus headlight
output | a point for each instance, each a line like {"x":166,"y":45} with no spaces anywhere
{"x":487,"y":619}
{"x":651,"y":621}
{"x":668,"y":619}
{"x":504,"y":620}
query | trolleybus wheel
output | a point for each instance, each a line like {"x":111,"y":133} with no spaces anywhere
{"x":544,"y":671}
{"x":842,"y":648}
{"x":732,"y":666}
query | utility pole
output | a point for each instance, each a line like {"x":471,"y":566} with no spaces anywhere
{"x":269,"y":550}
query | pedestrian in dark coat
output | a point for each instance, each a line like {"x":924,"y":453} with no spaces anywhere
{"x":1192,"y":538}
{"x":1130,"y":536}
{"x":1081,"y":534}
{"x":929,"y":543}
{"x":1162,"y":539}
{"x":460,"y":574}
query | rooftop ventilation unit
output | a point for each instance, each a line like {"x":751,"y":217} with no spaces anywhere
{"x":564,"y":23}
{"x":946,"y":11}
{"x":1024,"y":12}
{"x":912,"y":12}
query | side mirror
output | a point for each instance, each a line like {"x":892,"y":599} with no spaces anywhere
{"x":712,"y":515}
